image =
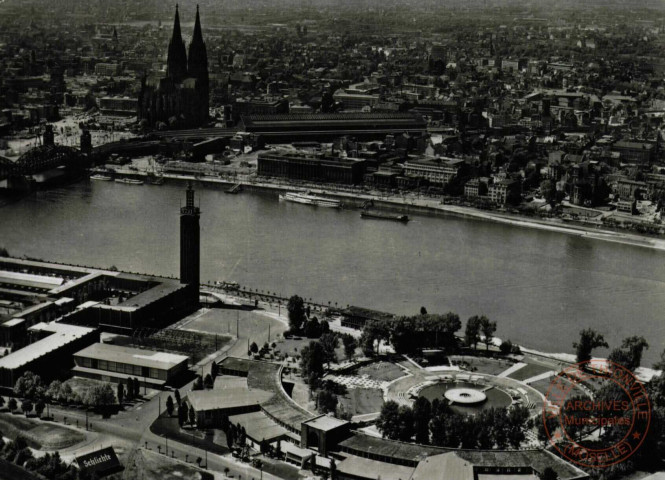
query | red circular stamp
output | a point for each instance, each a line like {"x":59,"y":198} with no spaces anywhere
{"x":596,"y":414}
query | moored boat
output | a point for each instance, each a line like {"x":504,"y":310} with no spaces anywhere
{"x":309,"y":199}
{"x":103,"y":178}
{"x":384,"y":216}
{"x":129,"y":181}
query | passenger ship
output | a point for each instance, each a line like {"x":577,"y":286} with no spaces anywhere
{"x":308,"y":199}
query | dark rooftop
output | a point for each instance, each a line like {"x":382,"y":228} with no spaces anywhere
{"x":153,"y":294}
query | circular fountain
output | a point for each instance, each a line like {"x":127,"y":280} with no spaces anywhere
{"x":465,"y":396}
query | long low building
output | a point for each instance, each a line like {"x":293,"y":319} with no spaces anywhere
{"x":49,"y":356}
{"x":124,"y":302}
{"x":311,"y":166}
{"x":211,"y":405}
{"x":116,"y":363}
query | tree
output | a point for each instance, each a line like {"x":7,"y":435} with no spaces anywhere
{"x":198,"y":383}
{"x":406,"y":423}
{"x":225,"y":423}
{"x":214,"y":370}
{"x":12,"y":405}
{"x":100,"y":396}
{"x":327,"y":401}
{"x":65,"y":394}
{"x":230,"y":436}
{"x":296,"y":310}
{"x":120,"y":393}
{"x":177,"y":397}
{"x":312,"y":328}
{"x":278,"y":449}
{"x":488,"y":329}
{"x":311,"y":361}
{"x":621,"y":357}
{"x":589,"y":339}
{"x":129,"y":390}
{"x":367,"y":343}
{"x":388,"y":422}
{"x":39,"y":407}
{"x":329,"y":342}
{"x":350,"y":345}
{"x":208,"y":382}
{"x":325,"y":327}
{"x":549,"y":474}
{"x":403,"y":336}
{"x":548,"y":191}
{"x":169,"y":405}
{"x":506,"y":347}
{"x":423,"y":311}
{"x":137,"y":388}
{"x":517,"y":418}
{"x":635,"y":346}
{"x":192,"y":415}
{"x":53,"y":389}
{"x":333,"y":469}
{"x":183,"y":411}
{"x":472,"y":331}
{"x":27,"y":407}
{"x":254,"y":348}
{"x":29,"y":385}
{"x":422,"y":414}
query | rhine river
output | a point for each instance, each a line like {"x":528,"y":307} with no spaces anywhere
{"x":541,"y":287}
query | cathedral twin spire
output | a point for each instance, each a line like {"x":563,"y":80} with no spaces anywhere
{"x":178,"y":67}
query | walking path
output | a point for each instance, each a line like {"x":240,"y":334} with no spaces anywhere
{"x":512,"y":369}
{"x":542,"y":376}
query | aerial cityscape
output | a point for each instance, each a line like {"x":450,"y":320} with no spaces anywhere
{"x":332,"y":239}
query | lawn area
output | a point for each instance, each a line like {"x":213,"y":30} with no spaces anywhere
{"x":153,"y":466}
{"x":489,"y":366}
{"x":39,"y":434}
{"x":222,"y":321}
{"x":360,"y":401}
{"x":381,"y":371}
{"x":543,"y":386}
{"x":531,"y":370}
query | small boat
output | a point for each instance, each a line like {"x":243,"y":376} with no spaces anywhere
{"x":129,"y":181}
{"x":156,"y":181}
{"x":237,"y":188}
{"x":309,"y":199}
{"x":99,"y":176}
{"x":384,"y":216}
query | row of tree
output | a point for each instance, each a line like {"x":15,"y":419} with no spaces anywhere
{"x":30,"y":387}
{"x":409,"y":335}
{"x":629,"y":354}
{"x":436,"y":423}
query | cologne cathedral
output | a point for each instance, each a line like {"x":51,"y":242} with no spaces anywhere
{"x":179,"y":99}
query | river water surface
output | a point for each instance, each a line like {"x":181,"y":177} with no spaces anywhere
{"x":541,"y":287}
